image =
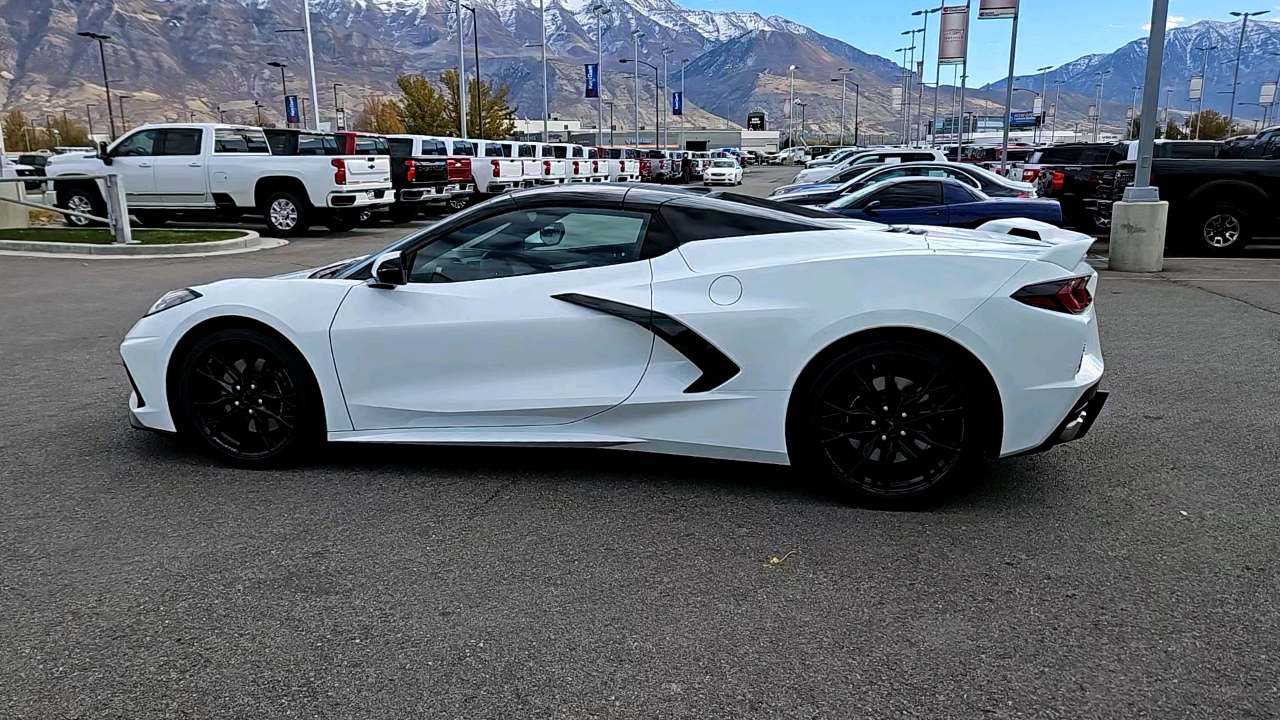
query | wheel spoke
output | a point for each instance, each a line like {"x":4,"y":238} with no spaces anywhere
{"x":933,"y":443}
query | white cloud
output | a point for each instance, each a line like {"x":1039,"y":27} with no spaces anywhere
{"x":1170,"y":22}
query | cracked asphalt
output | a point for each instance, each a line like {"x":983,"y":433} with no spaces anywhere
{"x":1132,"y":574}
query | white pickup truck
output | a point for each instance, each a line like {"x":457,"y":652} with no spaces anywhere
{"x":623,"y":164}
{"x":208,"y":168}
{"x":496,"y":169}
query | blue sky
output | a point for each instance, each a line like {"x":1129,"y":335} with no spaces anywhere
{"x":1050,"y":32}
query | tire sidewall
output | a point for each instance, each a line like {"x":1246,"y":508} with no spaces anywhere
{"x":308,"y":431}
{"x":95,"y":207}
{"x":807,"y":454}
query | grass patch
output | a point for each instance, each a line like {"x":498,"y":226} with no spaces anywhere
{"x":99,"y":236}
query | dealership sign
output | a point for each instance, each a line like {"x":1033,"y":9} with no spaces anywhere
{"x":992,"y":9}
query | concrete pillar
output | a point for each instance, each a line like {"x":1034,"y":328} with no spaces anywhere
{"x":1137,"y":236}
{"x":14,"y":216}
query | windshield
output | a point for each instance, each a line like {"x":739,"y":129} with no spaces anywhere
{"x":852,"y":198}
{"x":723,"y":163}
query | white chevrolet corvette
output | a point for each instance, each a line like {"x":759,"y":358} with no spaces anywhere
{"x":641,"y":318}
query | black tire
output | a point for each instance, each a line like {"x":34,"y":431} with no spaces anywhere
{"x":457,"y":203}
{"x":151,"y":218}
{"x":1220,"y":230}
{"x":286,"y":214}
{"x":908,"y":456}
{"x":342,"y":221}
{"x":85,"y":200}
{"x":230,"y":381}
{"x":401,"y":213}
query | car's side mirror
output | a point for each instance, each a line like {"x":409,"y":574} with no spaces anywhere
{"x":552,"y":234}
{"x":389,"y":271}
{"x":871,"y":207}
{"x":103,"y":155}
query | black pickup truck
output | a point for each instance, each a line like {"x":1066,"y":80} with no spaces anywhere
{"x":1078,"y":174}
{"x":419,"y":174}
{"x":1216,"y":207}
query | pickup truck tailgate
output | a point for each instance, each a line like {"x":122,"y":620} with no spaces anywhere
{"x":367,"y":169}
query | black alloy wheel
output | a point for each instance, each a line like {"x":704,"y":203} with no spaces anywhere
{"x":1222,"y":229}
{"x":890,"y":423}
{"x":246,"y":397}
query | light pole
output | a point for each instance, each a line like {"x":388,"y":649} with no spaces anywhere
{"x":908,"y":77}
{"x":284,"y":88}
{"x":610,"y":104}
{"x":1204,"y":65}
{"x":1133,"y":110}
{"x":803,"y":106}
{"x":901,"y":106}
{"x":1097,"y":114}
{"x":791,"y":131}
{"x":1255,"y":122}
{"x":682,"y":64}
{"x":1235,"y":76}
{"x":475,"y":41}
{"x":546,"y":91}
{"x":924,"y":49}
{"x":1168,"y":95}
{"x":88,"y":113}
{"x":1057,"y":98}
{"x":635,"y":43}
{"x":311,"y":64}
{"x":656,"y":97}
{"x":599,"y":10}
{"x":106,"y":84}
{"x":1008,"y":90}
{"x":337,"y":108}
{"x":843,"y":80}
{"x":666,"y":121}
{"x":222,"y":114}
{"x":124,"y":125}
{"x":1044,"y":96}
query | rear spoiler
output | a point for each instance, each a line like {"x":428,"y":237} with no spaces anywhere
{"x":1068,"y":247}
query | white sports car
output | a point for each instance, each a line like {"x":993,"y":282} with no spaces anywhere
{"x":722,"y":172}
{"x":642,"y":318}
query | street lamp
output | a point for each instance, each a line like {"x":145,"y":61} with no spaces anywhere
{"x":656,"y":97}
{"x":124,"y":125}
{"x":599,"y":10}
{"x":636,"y":35}
{"x":222,"y":114}
{"x":88,"y":113}
{"x":1235,"y":77}
{"x":1044,"y":94}
{"x":1133,"y":110}
{"x":857,"y":91}
{"x":311,"y":60}
{"x":802,"y":105}
{"x":106,"y":84}
{"x":902,"y":105}
{"x":937,"y":69}
{"x":908,"y":76}
{"x":1204,"y":64}
{"x":284,"y":86}
{"x":665,"y":120}
{"x":337,"y":108}
{"x":1097,"y":114}
{"x":791,"y":131}
{"x":257,"y":106}
{"x":682,"y":64}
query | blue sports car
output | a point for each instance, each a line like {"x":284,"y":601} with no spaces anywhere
{"x":938,"y":201}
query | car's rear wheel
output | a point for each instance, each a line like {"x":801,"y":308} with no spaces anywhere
{"x":342,"y":220}
{"x":888,"y":424}
{"x":247,"y":398}
{"x":1221,"y":229}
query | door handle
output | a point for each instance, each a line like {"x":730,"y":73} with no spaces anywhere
{"x":144,"y":164}
{"x":194,"y":164}
{"x":933,"y":212}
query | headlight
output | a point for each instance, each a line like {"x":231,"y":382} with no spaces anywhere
{"x":173,"y":298}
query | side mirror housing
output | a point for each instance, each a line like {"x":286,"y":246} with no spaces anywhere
{"x":102,"y":152}
{"x":870,"y":208}
{"x":389,"y":271}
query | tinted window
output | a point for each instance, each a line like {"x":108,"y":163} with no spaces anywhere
{"x":371,"y":146}
{"x":238,"y":140}
{"x":909,"y":195}
{"x":497,"y":150}
{"x":526,"y":151}
{"x":138,"y":144}
{"x":693,"y":223}
{"x":918,"y":157}
{"x":528,"y":242}
{"x":462,"y":147}
{"x":1062,"y":155}
{"x":1193,"y":150}
{"x":593,"y":153}
{"x":312,"y":144}
{"x":956,"y":193}
{"x":401,"y":147}
{"x":182,"y":141}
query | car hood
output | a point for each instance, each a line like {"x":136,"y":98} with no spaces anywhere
{"x":802,"y":191}
{"x":317,"y":271}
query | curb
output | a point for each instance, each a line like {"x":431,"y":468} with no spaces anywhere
{"x":250,"y":241}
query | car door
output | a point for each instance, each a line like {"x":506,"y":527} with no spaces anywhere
{"x":495,"y":326}
{"x":180,"y":176}
{"x":134,"y":159}
{"x":906,"y":202}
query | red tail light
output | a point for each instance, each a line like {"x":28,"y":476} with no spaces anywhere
{"x":575,"y":167}
{"x":644,"y":165}
{"x":1056,"y":182}
{"x":410,"y":170}
{"x":1023,"y":195}
{"x":622,"y":166}
{"x":497,"y":169}
{"x":1066,"y":296}
{"x":595,"y":166}
{"x":1093,"y":177}
{"x":1029,"y":174}
{"x":546,"y":167}
{"x":339,"y":171}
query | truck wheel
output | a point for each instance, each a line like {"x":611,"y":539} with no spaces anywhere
{"x":1221,"y":229}
{"x":286,"y":215}
{"x":150,"y":218}
{"x":459,"y":202}
{"x":342,"y":221}
{"x":403,"y":212}
{"x":86,"y":201}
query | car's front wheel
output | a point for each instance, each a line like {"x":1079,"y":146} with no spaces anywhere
{"x":888,"y":424}
{"x":247,"y":398}
{"x":83,"y":200}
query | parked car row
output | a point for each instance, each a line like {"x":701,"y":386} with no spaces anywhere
{"x":296,"y":178}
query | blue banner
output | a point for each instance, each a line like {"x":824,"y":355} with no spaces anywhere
{"x":677,"y":103}
{"x":592,"y":72}
{"x":1022,"y":119}
{"x":291,"y":113}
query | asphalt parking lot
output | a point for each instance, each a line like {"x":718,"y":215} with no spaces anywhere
{"x":1132,"y":574}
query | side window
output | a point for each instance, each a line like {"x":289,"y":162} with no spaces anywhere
{"x":529,"y":242}
{"x":138,"y":144}
{"x":237,"y":140}
{"x":701,"y":223}
{"x":403,"y":147}
{"x":182,"y":141}
{"x":909,"y":195}
{"x":312,"y":144}
{"x":462,"y":147}
{"x":957,"y":176}
{"x":492,"y":150}
{"x":526,"y":151}
{"x":955,"y":194}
